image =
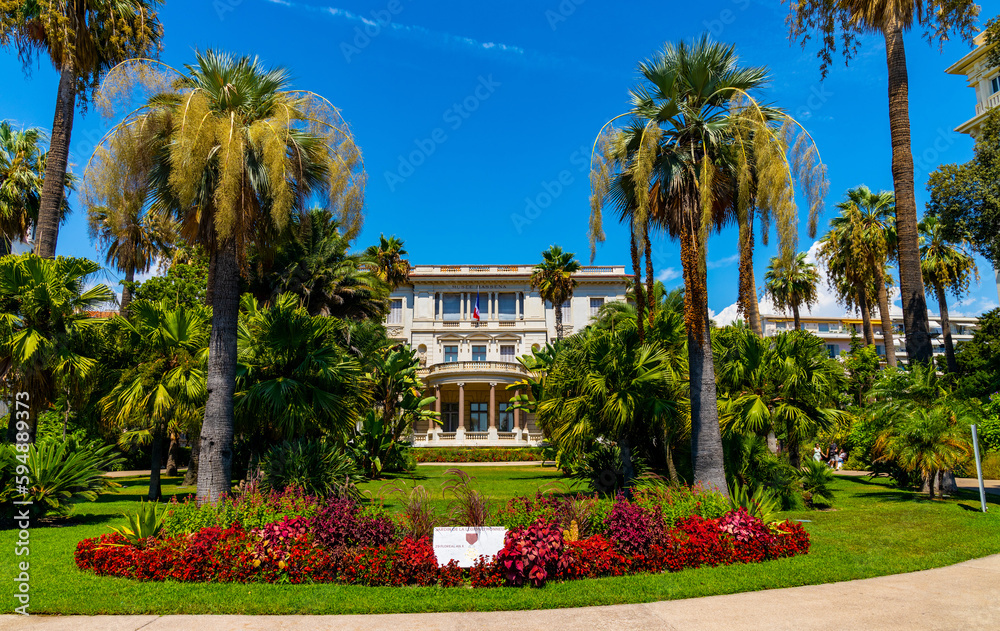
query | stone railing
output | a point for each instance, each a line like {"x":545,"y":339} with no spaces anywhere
{"x":474,"y":366}
{"x":585,"y":270}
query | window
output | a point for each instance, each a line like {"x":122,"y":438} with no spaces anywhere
{"x":831,"y":350}
{"x":995,"y":83}
{"x":450,"y":354}
{"x":449,"y":416}
{"x":780,"y":325}
{"x":478,"y":353}
{"x":565,"y":312}
{"x":824,"y":327}
{"x":507,"y":306}
{"x":595,"y":306}
{"x":452,"y":307}
{"x":879,"y":350}
{"x":506,"y":417}
{"x":507,"y":354}
{"x":395,"y":311}
{"x":478,"y":417}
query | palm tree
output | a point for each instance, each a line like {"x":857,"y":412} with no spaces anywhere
{"x":891,"y":18}
{"x":928,"y":441}
{"x":84,"y":39}
{"x":232,"y":152}
{"x":791,"y":282}
{"x":389,"y":264}
{"x":946,"y":267}
{"x":167,"y":386}
{"x":20,"y":183}
{"x":43,"y":309}
{"x":312,"y":261}
{"x":553,"y":278}
{"x":699,"y":149}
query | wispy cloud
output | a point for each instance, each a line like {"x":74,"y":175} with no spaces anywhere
{"x":668,"y":274}
{"x":726,"y":262}
{"x":437,"y":39}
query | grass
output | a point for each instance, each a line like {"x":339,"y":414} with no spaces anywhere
{"x":874,"y":530}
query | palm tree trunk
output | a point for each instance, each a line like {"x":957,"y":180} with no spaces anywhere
{"x":127,"y":289}
{"x":792,"y":444}
{"x":650,"y":279}
{"x":883,"y":309}
{"x":156,"y":461}
{"x":4,"y":245}
{"x":918,"y":341}
{"x":559,"y":328}
{"x":640,"y":300}
{"x":216,"y":457}
{"x":53,"y":185}
{"x":747,"y":283}
{"x":949,"y":346}
{"x":796,"y":320}
{"x":191,"y":475}
{"x":173,"y":453}
{"x":628,"y":468}
{"x":668,"y":451}
{"x":866,"y":317}
{"x":210,"y":282}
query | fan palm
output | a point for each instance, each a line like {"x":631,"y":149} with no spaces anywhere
{"x":553,"y":278}
{"x":231,"y":151}
{"x":83,"y":39}
{"x":928,"y":441}
{"x":700,"y":153}
{"x":43,"y":308}
{"x":946,"y":267}
{"x":891,"y":18}
{"x":791,"y":282}
{"x":20,"y":183}
{"x":168,"y":385}
{"x":388,"y":262}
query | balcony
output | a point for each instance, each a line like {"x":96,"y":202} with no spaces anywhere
{"x":509,"y":270}
{"x":473,"y":369}
{"x":991,"y":102}
{"x":520,"y":438}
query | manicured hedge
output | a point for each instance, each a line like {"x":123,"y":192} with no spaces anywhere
{"x":477,"y":454}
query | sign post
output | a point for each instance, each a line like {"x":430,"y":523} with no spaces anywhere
{"x":466,"y":545}
{"x":979,"y":468}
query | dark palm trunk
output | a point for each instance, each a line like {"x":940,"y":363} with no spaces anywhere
{"x":883,"y":309}
{"x":747,"y":283}
{"x":650,"y":280}
{"x":127,"y":289}
{"x":628,"y":468}
{"x":191,"y":475}
{"x":156,"y":461}
{"x":4,"y":245}
{"x":792,"y":444}
{"x":210,"y":282}
{"x":640,"y":300}
{"x":949,"y":346}
{"x":866,"y":317}
{"x":947,"y":483}
{"x":215,"y":466}
{"x":55,"y":166}
{"x":668,"y":452}
{"x":918,"y":341}
{"x":173,"y":455}
{"x":706,"y":437}
{"x":796,"y":320}
{"x":559,"y":325}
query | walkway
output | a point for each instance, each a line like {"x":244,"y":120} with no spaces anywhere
{"x":966,"y":484}
{"x":962,"y":596}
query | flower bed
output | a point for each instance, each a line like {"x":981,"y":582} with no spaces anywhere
{"x":477,"y":454}
{"x":345,"y":543}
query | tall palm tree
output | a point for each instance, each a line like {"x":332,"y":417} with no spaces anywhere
{"x":389,"y":264}
{"x":553,"y":278}
{"x":791,"y":282}
{"x":20,"y":183}
{"x":83,"y":39}
{"x":43,"y":309}
{"x":167,"y":386}
{"x":891,"y":18}
{"x":698,"y":149}
{"x":946,"y":267}
{"x":231,"y":151}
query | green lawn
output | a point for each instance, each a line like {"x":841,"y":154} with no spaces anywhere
{"x":875,"y":530}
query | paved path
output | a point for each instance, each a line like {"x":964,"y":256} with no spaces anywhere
{"x":966,"y":484}
{"x":962,"y":596}
{"x":524,"y":463}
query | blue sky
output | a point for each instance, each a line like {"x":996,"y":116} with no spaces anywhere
{"x":476,"y":119}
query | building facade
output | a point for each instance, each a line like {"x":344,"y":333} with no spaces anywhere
{"x":982,"y":78}
{"x":836,"y":332}
{"x":468,"y":364}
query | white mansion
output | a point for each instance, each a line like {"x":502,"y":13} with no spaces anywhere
{"x":467,"y":363}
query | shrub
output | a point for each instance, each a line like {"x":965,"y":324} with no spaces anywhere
{"x":601,"y":468}
{"x":559,"y":510}
{"x":252,"y":509}
{"x":319,"y":467}
{"x":477,"y":454}
{"x":632,"y":528}
{"x":146,"y":523}
{"x":415,"y":562}
{"x":816,"y":479}
{"x":532,"y":555}
{"x":760,"y":503}
{"x":57,"y":475}
{"x":342,"y":523}
{"x":417,"y":517}
{"x":751,"y":538}
{"x":594,"y":557}
{"x":675,"y":502}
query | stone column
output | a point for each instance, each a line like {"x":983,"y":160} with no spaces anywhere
{"x":460,"y":431}
{"x":436,"y":428}
{"x":517,"y":305}
{"x":494,"y":436}
{"x":517,"y":419}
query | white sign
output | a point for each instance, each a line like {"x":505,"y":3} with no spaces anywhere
{"x":465,"y":545}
